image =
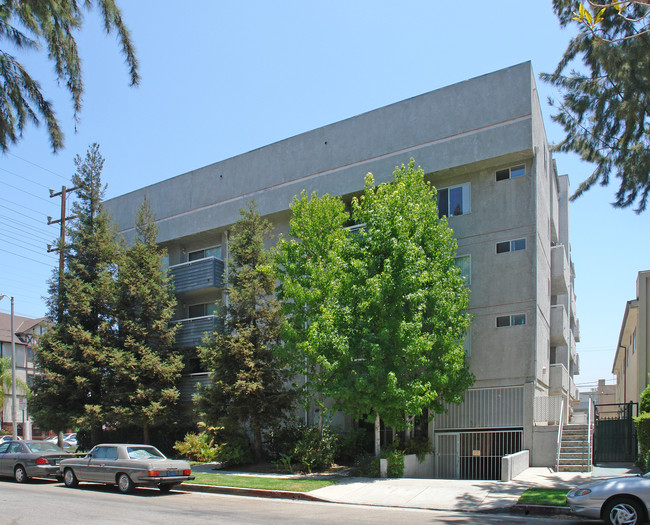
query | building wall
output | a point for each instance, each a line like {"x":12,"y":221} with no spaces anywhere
{"x":460,"y":135}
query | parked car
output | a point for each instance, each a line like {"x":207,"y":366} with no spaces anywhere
{"x":8,"y":437}
{"x":26,"y":459}
{"x":69,"y":441}
{"x":614,"y":500}
{"x":126,"y":466}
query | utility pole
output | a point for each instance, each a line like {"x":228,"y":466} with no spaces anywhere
{"x":61,"y":247}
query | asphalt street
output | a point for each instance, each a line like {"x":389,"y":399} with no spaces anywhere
{"x":45,"y":503}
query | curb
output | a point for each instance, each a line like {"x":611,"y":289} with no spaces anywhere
{"x":257,"y":493}
{"x":544,"y":510}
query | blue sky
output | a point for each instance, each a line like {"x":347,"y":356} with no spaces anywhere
{"x":223,"y":78}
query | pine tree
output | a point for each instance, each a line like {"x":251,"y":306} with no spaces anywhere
{"x":248,"y":381}
{"x":605,"y":100}
{"x":144,"y":368}
{"x":74,"y":355}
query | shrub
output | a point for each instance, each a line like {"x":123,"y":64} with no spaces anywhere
{"x":301,"y":443}
{"x":643,"y":433}
{"x":351,"y":445}
{"x":230,"y":447}
{"x":367,"y":465}
{"x":420,"y":446}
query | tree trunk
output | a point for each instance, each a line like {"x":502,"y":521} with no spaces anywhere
{"x":257,"y":443}
{"x":377,"y":436}
{"x":145,"y":433}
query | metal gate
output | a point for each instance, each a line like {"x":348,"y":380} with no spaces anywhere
{"x":474,"y":455}
{"x":615,"y":433}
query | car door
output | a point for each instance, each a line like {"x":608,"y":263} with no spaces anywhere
{"x":13,"y":452}
{"x":3,"y":452}
{"x":90,"y":468}
{"x":109,"y":466}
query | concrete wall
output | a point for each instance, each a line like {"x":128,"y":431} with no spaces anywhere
{"x":544,"y":446}
{"x":514,"y":464}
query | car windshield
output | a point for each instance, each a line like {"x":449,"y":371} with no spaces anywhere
{"x":43,"y":446}
{"x":144,"y":453}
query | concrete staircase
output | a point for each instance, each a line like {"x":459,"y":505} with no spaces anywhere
{"x":575,"y":455}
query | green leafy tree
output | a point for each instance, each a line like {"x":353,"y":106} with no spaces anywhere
{"x":74,"y":355}
{"x":144,"y":368}
{"x":605,"y":101}
{"x":378,"y":315}
{"x":49,"y":24}
{"x":6,"y":383}
{"x":248,"y":381}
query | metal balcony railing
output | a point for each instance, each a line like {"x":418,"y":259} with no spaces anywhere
{"x":197,"y":275}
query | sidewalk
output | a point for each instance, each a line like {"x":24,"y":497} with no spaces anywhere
{"x":433,"y":494}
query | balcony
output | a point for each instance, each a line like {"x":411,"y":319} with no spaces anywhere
{"x":560,"y":271}
{"x":558,"y":380}
{"x":197,"y":275}
{"x":559,"y":326}
{"x":192,"y":331}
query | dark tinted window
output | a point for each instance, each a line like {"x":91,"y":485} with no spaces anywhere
{"x":503,"y":247}
{"x":503,"y":321}
{"x":443,"y":203}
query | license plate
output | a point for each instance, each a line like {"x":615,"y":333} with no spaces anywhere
{"x":171,"y":472}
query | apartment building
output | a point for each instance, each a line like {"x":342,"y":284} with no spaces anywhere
{"x":26,"y":331}
{"x":631,"y":365}
{"x":482,"y":144}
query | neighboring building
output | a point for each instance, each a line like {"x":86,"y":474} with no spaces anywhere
{"x":482,"y":144}
{"x":26,"y":331}
{"x":631,"y":364}
{"x":602,"y":395}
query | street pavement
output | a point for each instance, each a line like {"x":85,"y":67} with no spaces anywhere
{"x":436,"y":494}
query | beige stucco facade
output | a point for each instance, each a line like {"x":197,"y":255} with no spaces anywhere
{"x":631,"y":362}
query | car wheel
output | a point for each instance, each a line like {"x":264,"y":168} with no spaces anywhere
{"x":69,"y":478}
{"x":124,"y":483}
{"x":623,"y":510}
{"x":20,"y":474}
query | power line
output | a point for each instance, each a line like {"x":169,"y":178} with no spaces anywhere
{"x":25,"y":257}
{"x":23,"y":248}
{"x":25,"y":178}
{"x":22,"y":206}
{"x":25,"y":191}
{"x":41,"y":167}
{"x":19,"y":213}
{"x":43,"y":231}
{"x":33,"y":234}
{"x":20,"y":240}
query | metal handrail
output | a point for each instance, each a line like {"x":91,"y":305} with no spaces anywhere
{"x":590,"y":454}
{"x":559,"y":437}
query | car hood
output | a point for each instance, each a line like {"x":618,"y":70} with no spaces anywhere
{"x":613,"y":483}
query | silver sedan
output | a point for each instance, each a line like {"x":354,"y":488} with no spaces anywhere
{"x":126,"y":466}
{"x":26,"y":459}
{"x":614,"y":500}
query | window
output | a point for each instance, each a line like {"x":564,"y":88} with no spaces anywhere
{"x":511,"y":246}
{"x":454,"y":201}
{"x":215,"y":251}
{"x":463,"y":262}
{"x":511,"y":320}
{"x":201,"y":310}
{"x":511,"y":173}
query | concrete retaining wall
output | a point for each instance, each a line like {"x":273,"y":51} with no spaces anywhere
{"x":412,"y":467}
{"x":514,"y":464}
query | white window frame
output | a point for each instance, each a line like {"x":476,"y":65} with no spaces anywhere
{"x":468,"y":277}
{"x":204,"y":250}
{"x":512,"y":246}
{"x":466,"y":192}
{"x":512,"y":172}
{"x":513,"y":320}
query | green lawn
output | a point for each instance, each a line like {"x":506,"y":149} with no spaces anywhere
{"x":260,"y":482}
{"x":555,"y":497}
